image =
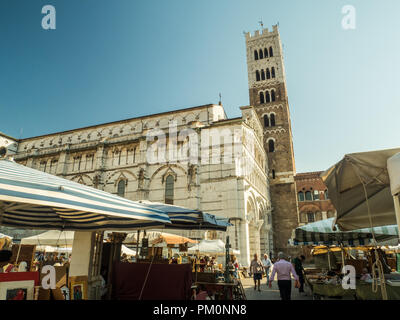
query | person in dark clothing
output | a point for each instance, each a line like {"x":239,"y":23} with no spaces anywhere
{"x":298,"y":267}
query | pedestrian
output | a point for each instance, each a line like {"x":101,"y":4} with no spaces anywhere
{"x":256,"y":269}
{"x":267,"y":265}
{"x":298,"y":267}
{"x":235,"y":264}
{"x":283,"y":269}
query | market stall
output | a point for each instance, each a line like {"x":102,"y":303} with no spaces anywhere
{"x":336,"y":246}
{"x":36,"y":200}
{"x":360,"y":189}
{"x":210,"y":272}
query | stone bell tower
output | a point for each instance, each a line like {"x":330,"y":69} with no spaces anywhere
{"x":268,"y":95}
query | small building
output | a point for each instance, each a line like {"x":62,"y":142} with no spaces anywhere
{"x":313,"y":198}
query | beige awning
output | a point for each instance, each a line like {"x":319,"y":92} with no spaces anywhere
{"x":393,"y":164}
{"x":345,"y":182}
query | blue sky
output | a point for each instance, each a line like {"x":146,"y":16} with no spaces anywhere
{"x":110,"y":60}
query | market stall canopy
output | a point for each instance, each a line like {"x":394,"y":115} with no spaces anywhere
{"x":131,"y":238}
{"x":189,"y":219}
{"x":51,"y":238}
{"x":169,"y":238}
{"x":322,"y":233}
{"x":53,"y":249}
{"x":37,"y":200}
{"x":157,"y":237}
{"x":346,"y":181}
{"x":324,"y":249}
{"x":127,"y":251}
{"x":211,"y":247}
{"x":393,"y":165}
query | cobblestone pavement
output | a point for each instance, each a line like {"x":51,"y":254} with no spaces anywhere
{"x":270,"y":294}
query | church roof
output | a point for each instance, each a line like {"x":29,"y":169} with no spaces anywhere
{"x":126,"y":120}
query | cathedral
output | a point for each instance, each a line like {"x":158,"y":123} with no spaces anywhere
{"x":239,"y":168}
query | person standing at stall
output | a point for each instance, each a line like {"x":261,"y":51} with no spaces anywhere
{"x":256,"y":269}
{"x":283,"y":269}
{"x":298,"y":267}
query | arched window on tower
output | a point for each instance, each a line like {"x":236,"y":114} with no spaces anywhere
{"x":272,"y":95}
{"x":266,"y":121}
{"x":268,"y":74}
{"x":262,"y":74}
{"x":255,"y":55}
{"x":273,"y":174}
{"x":260,"y":54}
{"x":257,"y":75}
{"x":271,"y":52}
{"x":272,"y":119}
{"x":267,"y":97}
{"x":308,"y":196}
{"x":271,"y":146}
{"x":121,"y":188}
{"x":265,"y":53}
{"x":273,"y":72}
{"x":301,"y":196}
{"x":169,"y":190}
{"x":262,"y":97}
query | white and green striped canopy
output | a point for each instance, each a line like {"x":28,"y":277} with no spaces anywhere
{"x":322,"y":233}
{"x":33,"y":199}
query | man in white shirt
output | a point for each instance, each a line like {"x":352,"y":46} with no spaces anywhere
{"x":284,"y":269}
{"x":267,"y":265}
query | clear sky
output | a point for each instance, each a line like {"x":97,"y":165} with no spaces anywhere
{"x":111,"y":60}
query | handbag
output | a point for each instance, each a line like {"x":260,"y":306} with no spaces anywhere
{"x":259,"y":268}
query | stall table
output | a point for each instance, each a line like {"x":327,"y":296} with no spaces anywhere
{"x":322,"y":290}
{"x":224,"y":291}
{"x":364,"y":291}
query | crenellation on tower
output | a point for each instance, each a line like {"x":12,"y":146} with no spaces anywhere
{"x":264,"y":33}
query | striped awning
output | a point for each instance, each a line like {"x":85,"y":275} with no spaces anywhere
{"x":189,"y":219}
{"x":37,"y":200}
{"x":322,"y":233}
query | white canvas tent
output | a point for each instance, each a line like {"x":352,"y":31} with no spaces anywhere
{"x":127,"y":251}
{"x":212,"y":247}
{"x":357,"y":177}
{"x":51,"y":238}
{"x":393,"y":165}
{"x":53,"y":249}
